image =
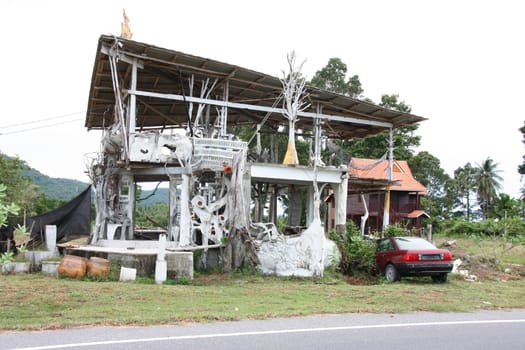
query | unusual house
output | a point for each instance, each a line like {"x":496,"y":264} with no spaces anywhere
{"x":166,"y":116}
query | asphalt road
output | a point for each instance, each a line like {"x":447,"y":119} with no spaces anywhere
{"x":429,"y":331}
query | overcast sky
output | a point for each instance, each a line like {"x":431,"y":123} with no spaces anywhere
{"x":461,"y":64}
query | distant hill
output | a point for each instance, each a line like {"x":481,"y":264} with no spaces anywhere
{"x":57,"y":188}
{"x":162,"y":195}
{"x":66,"y":189}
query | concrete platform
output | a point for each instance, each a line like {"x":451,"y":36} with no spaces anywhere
{"x":140,"y":257}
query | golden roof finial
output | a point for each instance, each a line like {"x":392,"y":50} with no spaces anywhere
{"x":125,"y":31}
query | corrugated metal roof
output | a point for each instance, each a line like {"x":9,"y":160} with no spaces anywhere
{"x":167,"y":71}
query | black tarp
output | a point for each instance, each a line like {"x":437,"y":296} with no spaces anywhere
{"x":72,"y":219}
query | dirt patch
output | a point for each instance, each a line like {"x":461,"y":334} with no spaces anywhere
{"x":361,"y":280}
{"x":484,"y":267}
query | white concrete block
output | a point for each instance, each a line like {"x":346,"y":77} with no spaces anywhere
{"x":127,"y":274}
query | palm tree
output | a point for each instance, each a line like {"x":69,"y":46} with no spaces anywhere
{"x":505,"y":207}
{"x":465,"y":184}
{"x":489,"y":184}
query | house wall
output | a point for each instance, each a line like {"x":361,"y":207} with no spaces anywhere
{"x":401,"y":204}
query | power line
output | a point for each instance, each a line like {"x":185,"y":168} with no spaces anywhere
{"x":41,"y":120}
{"x":39,"y":127}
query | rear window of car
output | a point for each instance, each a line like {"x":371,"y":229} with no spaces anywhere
{"x":414,"y":243}
{"x":385,"y":245}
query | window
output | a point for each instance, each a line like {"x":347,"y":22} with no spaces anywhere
{"x":385,"y":245}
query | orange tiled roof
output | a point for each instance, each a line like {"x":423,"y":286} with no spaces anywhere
{"x":417,"y":213}
{"x":377,"y":170}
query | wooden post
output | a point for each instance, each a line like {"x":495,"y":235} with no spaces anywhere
{"x":386,"y":209}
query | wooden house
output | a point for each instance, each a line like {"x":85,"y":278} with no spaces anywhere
{"x":369,"y":184}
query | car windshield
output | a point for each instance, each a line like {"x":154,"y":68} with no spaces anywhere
{"x":413,"y":243}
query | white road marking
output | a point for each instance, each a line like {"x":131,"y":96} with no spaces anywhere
{"x":271,"y":332}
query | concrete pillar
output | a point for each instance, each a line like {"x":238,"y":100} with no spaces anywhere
{"x":185,"y":219}
{"x":341,"y":198}
{"x":51,"y":238}
{"x":173,"y":227}
{"x":309,"y":205}
{"x":295,"y":206}
{"x":161,"y":267}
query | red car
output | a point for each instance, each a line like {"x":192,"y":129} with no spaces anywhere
{"x":398,"y":257}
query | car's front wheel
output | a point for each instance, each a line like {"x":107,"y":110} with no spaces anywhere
{"x":391,"y":273}
{"x":441,"y":278}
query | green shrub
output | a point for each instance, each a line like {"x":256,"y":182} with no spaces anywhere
{"x":7,"y":257}
{"x":22,"y":249}
{"x":511,"y":228}
{"x":357,"y":254}
{"x":395,"y":231}
{"x":514,"y":227}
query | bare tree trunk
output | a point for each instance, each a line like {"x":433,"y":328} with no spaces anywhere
{"x":290,"y":158}
{"x":240,"y":250}
{"x":294,"y":101}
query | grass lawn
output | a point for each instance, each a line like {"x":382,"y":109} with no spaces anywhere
{"x":36,"y":301}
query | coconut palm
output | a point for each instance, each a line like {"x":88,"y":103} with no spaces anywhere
{"x":505,"y":207}
{"x":465,"y":184}
{"x":489,"y":184}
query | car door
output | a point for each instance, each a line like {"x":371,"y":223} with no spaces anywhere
{"x":385,"y":248}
